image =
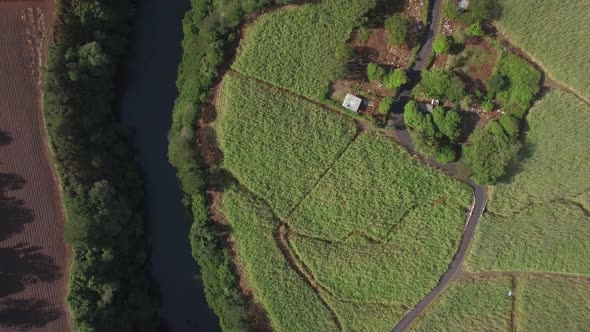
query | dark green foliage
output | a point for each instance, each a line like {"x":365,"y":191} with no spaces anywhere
{"x":445,"y":154}
{"x":440,"y":84}
{"x":487,"y":105}
{"x":109,"y":289}
{"x":490,"y":153}
{"x":451,"y":10}
{"x":395,"y":79}
{"x":511,"y":125}
{"x":209,"y":28}
{"x":375,"y":72}
{"x":522,"y":86}
{"x":441,"y":44}
{"x":385,"y":104}
{"x":494,"y":84}
{"x":450,"y":123}
{"x":397,"y":29}
{"x":433,"y":132}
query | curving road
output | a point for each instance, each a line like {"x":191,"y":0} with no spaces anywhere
{"x":480,"y":192}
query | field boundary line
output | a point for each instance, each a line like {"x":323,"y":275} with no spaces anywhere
{"x":496,"y":274}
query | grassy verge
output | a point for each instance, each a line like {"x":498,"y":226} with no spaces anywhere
{"x":109,"y":288}
{"x":538,"y":221}
{"x":553,"y":304}
{"x":475,"y":305}
{"x":550,"y":31}
{"x":276,"y":144}
{"x":302,"y":49}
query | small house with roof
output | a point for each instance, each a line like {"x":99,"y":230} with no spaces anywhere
{"x":352,"y":102}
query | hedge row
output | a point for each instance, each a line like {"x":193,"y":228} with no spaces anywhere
{"x":209,"y":29}
{"x":109,"y":288}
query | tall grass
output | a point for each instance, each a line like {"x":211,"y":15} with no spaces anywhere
{"x":380,"y":227}
{"x":547,"y":304}
{"x":301,"y":49}
{"x":475,"y":305}
{"x":539,"y":220}
{"x":554,"y":33}
{"x":371,"y":188}
{"x":276,"y":144}
{"x":290,"y":303}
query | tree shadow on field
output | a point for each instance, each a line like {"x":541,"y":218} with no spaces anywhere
{"x":5,"y":138}
{"x":27,"y":314}
{"x":14,"y":214}
{"x":22,"y":265}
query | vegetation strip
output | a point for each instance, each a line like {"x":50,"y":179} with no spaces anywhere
{"x":102,"y":190}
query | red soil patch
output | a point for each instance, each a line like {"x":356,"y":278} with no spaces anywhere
{"x":33,"y":254}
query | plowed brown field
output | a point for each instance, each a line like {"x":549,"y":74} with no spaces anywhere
{"x":33,"y":254}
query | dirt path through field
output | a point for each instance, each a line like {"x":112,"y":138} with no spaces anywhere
{"x":33,"y":253}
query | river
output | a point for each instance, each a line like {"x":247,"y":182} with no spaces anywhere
{"x":146,"y":100}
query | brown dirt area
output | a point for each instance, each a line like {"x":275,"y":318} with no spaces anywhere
{"x":33,"y":253}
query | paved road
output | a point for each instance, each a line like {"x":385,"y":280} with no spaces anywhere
{"x":480,"y":192}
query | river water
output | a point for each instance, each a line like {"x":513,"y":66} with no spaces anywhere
{"x":146,"y":101}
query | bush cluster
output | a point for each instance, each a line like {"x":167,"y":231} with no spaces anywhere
{"x":209,"y":29}
{"x":109,"y":288}
{"x":515,"y":84}
{"x":397,"y":28}
{"x":440,"y":84}
{"x":493,"y":148}
{"x":434,"y":133}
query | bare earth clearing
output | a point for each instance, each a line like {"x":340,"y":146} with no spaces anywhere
{"x":33,"y":253}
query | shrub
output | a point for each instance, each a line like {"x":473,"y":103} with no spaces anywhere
{"x":440,"y":84}
{"x":524,"y":83}
{"x":375,"y":72}
{"x":487,"y":105}
{"x":397,"y":30}
{"x":511,"y":125}
{"x":475,"y":30}
{"x":450,"y":123}
{"x":385,"y":104}
{"x":395,"y":79}
{"x":451,"y":10}
{"x":441,"y":44}
{"x":445,"y":154}
{"x":363,"y":35}
{"x":494,"y":84}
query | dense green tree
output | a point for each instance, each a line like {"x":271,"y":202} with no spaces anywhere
{"x":375,"y":72}
{"x":511,"y":125}
{"x":490,"y":155}
{"x":475,"y":30}
{"x":441,"y":44}
{"x":494,"y":84}
{"x":385,"y":104}
{"x":395,"y":79}
{"x":397,"y":28}
{"x":445,"y":154}
{"x":449,"y":123}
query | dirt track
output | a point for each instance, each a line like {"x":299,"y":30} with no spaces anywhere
{"x":33,"y":254}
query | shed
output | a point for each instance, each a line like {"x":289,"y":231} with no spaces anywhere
{"x":352,"y":102}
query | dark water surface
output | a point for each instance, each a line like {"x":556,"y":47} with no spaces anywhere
{"x":146,"y":102}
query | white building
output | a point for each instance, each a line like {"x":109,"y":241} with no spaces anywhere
{"x":352,"y":102}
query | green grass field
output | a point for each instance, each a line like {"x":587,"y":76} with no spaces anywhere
{"x":554,"y":33}
{"x":372,"y":188}
{"x":302,"y":48}
{"x":539,"y":221}
{"x":290,"y":303}
{"x":475,"y":305}
{"x":276,"y":144}
{"x":553,"y":304}
{"x":380,"y":226}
